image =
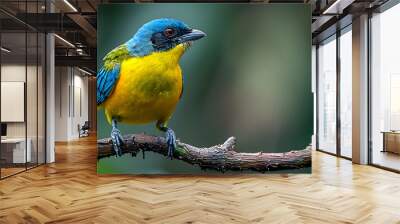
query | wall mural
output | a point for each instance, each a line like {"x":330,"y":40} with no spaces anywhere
{"x":204,"y":88}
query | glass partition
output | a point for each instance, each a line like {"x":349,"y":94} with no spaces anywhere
{"x":22,"y":78}
{"x":13,"y":95}
{"x":31,"y":99}
{"x":41,"y":96}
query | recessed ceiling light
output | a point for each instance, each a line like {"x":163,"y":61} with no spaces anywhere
{"x":5,"y":50}
{"x":84,"y":71}
{"x":64,"y":40}
{"x":70,"y":5}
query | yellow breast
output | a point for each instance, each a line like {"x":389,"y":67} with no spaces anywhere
{"x":148,"y":88}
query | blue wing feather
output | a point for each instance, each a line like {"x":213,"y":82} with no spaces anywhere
{"x":106,"y":81}
{"x":108,"y":75}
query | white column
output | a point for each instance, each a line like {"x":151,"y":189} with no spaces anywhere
{"x":360,"y":90}
{"x":50,"y":104}
{"x":50,"y":92}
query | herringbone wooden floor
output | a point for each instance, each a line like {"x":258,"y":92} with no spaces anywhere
{"x":70,"y":191}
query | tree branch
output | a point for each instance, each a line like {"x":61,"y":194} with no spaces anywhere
{"x":219,"y":157}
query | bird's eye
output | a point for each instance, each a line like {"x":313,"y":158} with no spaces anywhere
{"x":169,"y":32}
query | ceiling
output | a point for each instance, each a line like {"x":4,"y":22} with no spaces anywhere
{"x":16,"y":42}
{"x":332,"y":15}
{"x":76,"y":22}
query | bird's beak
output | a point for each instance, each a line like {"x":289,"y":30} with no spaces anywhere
{"x":192,"y":36}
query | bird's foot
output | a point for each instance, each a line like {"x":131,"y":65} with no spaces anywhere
{"x":117,"y":141}
{"x":171,"y":142}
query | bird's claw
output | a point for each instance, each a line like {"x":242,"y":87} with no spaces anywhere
{"x":117,"y":141}
{"x":171,"y":142}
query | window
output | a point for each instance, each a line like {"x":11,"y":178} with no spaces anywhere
{"x":385,"y":89}
{"x":327,"y":95}
{"x":346,"y":93}
{"x":334,"y":106}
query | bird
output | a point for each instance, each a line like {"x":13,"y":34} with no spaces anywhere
{"x":141,"y":81}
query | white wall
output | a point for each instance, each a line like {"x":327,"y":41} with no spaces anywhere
{"x":11,"y":73}
{"x":16,"y":73}
{"x":33,"y":126}
{"x":71,"y":102}
{"x":61,"y":103}
{"x":80,"y":96}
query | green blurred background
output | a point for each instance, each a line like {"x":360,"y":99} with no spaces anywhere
{"x":249,"y":78}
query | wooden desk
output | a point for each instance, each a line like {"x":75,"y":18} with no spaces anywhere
{"x":391,"y":141}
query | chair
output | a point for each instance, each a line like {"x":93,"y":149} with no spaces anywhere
{"x":84,"y":130}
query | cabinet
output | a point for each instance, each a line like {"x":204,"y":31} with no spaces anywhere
{"x":391,"y":142}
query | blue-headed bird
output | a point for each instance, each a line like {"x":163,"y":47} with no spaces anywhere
{"x":141,"y":80}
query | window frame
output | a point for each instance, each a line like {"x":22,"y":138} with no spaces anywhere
{"x":334,"y":37}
